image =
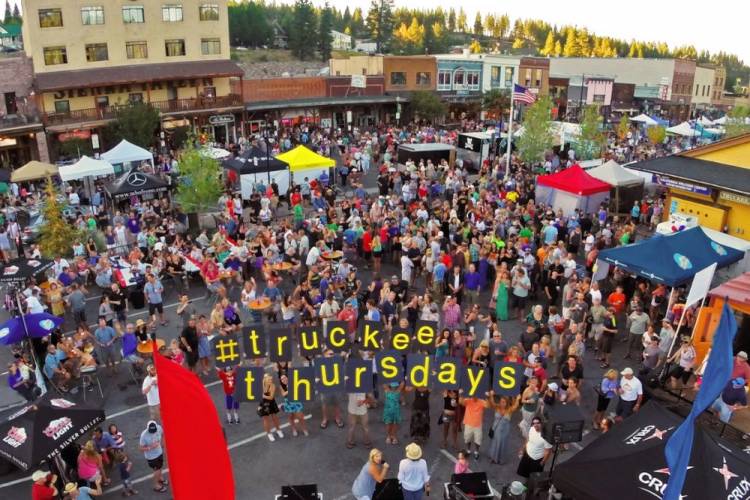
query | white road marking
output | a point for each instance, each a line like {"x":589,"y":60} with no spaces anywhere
{"x":447,"y":454}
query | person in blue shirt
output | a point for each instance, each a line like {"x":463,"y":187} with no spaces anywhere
{"x":472,"y":284}
{"x":130,"y":347}
{"x":153,"y":291}
{"x":438,"y":276}
{"x":76,"y":492}
{"x":550,"y":234}
{"x":105,"y":342}
{"x":635,"y":212}
{"x":54,"y":372}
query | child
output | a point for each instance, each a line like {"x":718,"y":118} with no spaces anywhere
{"x":462,"y":466}
{"x":123,"y":466}
{"x":176,"y":353}
{"x":227,"y":376}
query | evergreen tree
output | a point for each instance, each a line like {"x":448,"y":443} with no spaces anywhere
{"x":325,"y":40}
{"x":380,"y":23}
{"x":304,"y":30}
{"x":549,"y":45}
{"x":478,"y":28}
{"x":503,"y":24}
{"x":591,"y":141}
{"x":489,"y":24}
{"x":436,"y":41}
{"x":452,"y":20}
{"x":582,"y":43}
{"x":358,"y":23}
{"x":558,"y":48}
{"x":346,"y":19}
{"x":409,"y":39}
{"x":461,"y":21}
{"x":571,"y":47}
{"x":537,"y":137}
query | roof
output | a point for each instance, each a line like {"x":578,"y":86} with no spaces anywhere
{"x":612,"y":173}
{"x":126,"y":152}
{"x":302,"y":158}
{"x":324,"y":101}
{"x":717,"y":145}
{"x":736,"y":290}
{"x":574,"y":180}
{"x":426,"y":146}
{"x":86,"y":167}
{"x":10,"y":30}
{"x":121,"y":75}
{"x":709,"y":173}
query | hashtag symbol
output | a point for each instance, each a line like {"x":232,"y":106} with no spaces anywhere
{"x":226,"y":350}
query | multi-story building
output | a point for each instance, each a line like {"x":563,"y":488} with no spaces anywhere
{"x":90,"y":58}
{"x":703,"y":87}
{"x":340,"y":41}
{"x":356,"y":65}
{"x":717,"y":92}
{"x":533,"y":73}
{"x":459,"y":83}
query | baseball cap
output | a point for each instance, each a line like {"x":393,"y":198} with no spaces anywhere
{"x":738,"y":382}
{"x":627,"y":371}
{"x":38,"y":475}
{"x":552,"y":387}
{"x":742,"y":355}
{"x":152,"y":426}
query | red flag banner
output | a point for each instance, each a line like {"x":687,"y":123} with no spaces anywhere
{"x":187,"y":411}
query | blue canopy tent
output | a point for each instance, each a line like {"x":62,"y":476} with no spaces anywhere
{"x":673,"y":259}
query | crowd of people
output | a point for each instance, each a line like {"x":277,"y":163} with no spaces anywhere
{"x":430,"y":241}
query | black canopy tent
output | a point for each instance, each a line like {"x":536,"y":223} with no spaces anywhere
{"x":135,"y":183}
{"x":19,"y":270}
{"x":254,"y":161}
{"x":628,"y":462}
{"x":41,"y":431}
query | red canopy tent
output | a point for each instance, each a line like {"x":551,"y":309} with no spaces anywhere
{"x":570,"y":189}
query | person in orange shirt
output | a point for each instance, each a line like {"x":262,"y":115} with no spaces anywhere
{"x":541,"y":255}
{"x":617,"y":300}
{"x":473,"y":416}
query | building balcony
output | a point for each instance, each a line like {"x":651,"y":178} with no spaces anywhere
{"x":174,"y":106}
{"x":19,"y":122}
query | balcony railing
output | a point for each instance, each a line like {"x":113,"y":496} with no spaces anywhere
{"x":171,"y":106}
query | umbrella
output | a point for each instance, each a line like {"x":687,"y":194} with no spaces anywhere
{"x":38,"y":325}
{"x":42,"y":430}
{"x":20,"y":270}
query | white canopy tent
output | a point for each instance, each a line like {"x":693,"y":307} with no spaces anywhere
{"x":645,"y":119}
{"x":127,"y":152}
{"x":684,"y":129}
{"x":215,"y":153}
{"x":720,"y":121}
{"x":705,"y":121}
{"x":86,"y":167}
{"x":612,"y":173}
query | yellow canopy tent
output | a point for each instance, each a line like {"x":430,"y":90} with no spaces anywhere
{"x":301,"y":158}
{"x":33,"y":170}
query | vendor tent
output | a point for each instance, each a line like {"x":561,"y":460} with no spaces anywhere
{"x":215,"y":153}
{"x":20,"y":270}
{"x":86,"y":167}
{"x":684,"y":129}
{"x":705,"y":121}
{"x":32,"y":171}
{"x":628,"y":462}
{"x":570,"y":189}
{"x":626,"y":187}
{"x":306,"y":163}
{"x":644,"y":119}
{"x":135,"y":183}
{"x":126,"y":152}
{"x":672,"y":260}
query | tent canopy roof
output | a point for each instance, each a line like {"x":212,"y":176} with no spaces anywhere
{"x":683,"y":129}
{"x":674,"y":259}
{"x":33,"y":170}
{"x":643,"y":118}
{"x":301,"y":158}
{"x":612,"y":173}
{"x":254,"y":161}
{"x":127,"y":152}
{"x":574,"y":180}
{"x":135,"y":182}
{"x":86,"y":167}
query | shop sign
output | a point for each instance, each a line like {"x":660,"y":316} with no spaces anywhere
{"x":359,"y":81}
{"x":684,"y":186}
{"x":76,"y":134}
{"x":737,"y":198}
{"x":220,"y":119}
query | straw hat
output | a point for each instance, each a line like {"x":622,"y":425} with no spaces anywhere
{"x":413,"y":451}
{"x":70,"y":487}
{"x":38,"y":475}
{"x":140,"y":322}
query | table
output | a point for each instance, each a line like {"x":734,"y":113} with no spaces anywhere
{"x":148,"y":346}
{"x":260,"y":304}
{"x":282,"y":266}
{"x":333,"y":255}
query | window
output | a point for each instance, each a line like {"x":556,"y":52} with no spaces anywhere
{"x":527,"y":80}
{"x":210,"y":46}
{"x":136,"y":50}
{"x":598,"y":98}
{"x":398,"y":78}
{"x":135,"y":97}
{"x":171,"y":13}
{"x":708,"y":90}
{"x":132,"y":14}
{"x":458,"y":79}
{"x":209,"y":12}
{"x":508,"y":77}
{"x":11,"y":105}
{"x":209,"y":92}
{"x":55,"y":55}
{"x":92,"y":15}
{"x":424,"y":78}
{"x":96,"y":52}
{"x":697,"y":87}
{"x":50,"y":18}
{"x":175,"y":47}
{"x":444,"y":80}
{"x":62,"y":106}
{"x":472,"y":80}
{"x":538,"y":78}
{"x":496,"y":74}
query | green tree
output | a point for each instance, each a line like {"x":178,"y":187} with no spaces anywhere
{"x":358,"y":23}
{"x":56,"y":237}
{"x":591,"y":141}
{"x":537,"y":137}
{"x":137,"y":123}
{"x":496,"y":101}
{"x":571,"y":47}
{"x":427,"y":105}
{"x":502,"y":25}
{"x":489,"y":24}
{"x":736,"y":121}
{"x":623,"y":128}
{"x":549,"y":45}
{"x":435,"y":39}
{"x":249,"y":25}
{"x":461,"y":25}
{"x":380,"y":22}
{"x":8,"y":13}
{"x":16,"y":13}
{"x":200,"y":183}
{"x":558,"y":48}
{"x":478,"y":28}
{"x":656,"y":134}
{"x":475,"y":47}
{"x":452,"y":20}
{"x":75,"y":148}
{"x":304,"y":30}
{"x":326,"y":39}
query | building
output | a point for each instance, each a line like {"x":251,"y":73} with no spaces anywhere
{"x":366,"y":46}
{"x":406,"y":74}
{"x":589,"y":90}
{"x":459,"y":83}
{"x":717,"y":92}
{"x":499,"y":71}
{"x":702,"y":88}
{"x":533,"y":73}
{"x":356,"y":65}
{"x":340,"y":41}
{"x":90,"y":59}
{"x":711,"y":182}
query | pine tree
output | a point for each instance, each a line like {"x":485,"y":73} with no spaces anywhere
{"x":380,"y":22}
{"x":461,"y":21}
{"x":452,"y":20}
{"x":503,"y":24}
{"x":489,"y":24}
{"x":549,"y":45}
{"x":325,"y":40}
{"x":558,"y":48}
{"x":57,"y":236}
{"x":16,"y":13}
{"x":8,"y":12}
{"x":582,"y":43}
{"x":478,"y":28}
{"x":304,"y":30}
{"x":571,"y":47}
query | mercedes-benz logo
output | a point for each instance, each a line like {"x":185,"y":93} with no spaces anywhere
{"x":136,"y":179}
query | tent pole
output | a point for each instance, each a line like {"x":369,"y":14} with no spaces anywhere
{"x":37,"y":372}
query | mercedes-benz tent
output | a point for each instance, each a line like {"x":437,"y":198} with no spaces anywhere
{"x":674,"y":259}
{"x":125,"y":153}
{"x":570,"y":189}
{"x":626,"y":187}
{"x":135,"y":183}
{"x":628,"y":463}
{"x":86,"y":167}
{"x":32,"y":171}
{"x":306,"y":162}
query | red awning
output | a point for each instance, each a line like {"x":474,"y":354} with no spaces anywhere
{"x":574,"y":180}
{"x":736,"y":290}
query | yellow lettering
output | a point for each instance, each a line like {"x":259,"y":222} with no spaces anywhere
{"x":423,"y":368}
{"x":426,"y":335}
{"x":254,"y":343}
{"x":474,"y":380}
{"x":296,"y":382}
{"x":400,"y":341}
{"x":507,"y":379}
{"x":370,"y":340}
{"x":336,"y":376}
{"x":249,"y":381}
{"x":314,"y":344}
{"x":388,"y":367}
{"x":447,"y":373}
{"x":332,"y":336}
{"x":358,"y":371}
{"x":280,"y":341}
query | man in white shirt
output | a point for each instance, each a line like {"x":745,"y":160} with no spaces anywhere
{"x":32,"y":303}
{"x":536,"y":452}
{"x":313,"y":255}
{"x":151,"y":391}
{"x":631,"y":394}
{"x":357,"y":408}
{"x":59,"y":265}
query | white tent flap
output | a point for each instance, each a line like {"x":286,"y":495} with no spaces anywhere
{"x":86,"y":167}
{"x":126,"y":152}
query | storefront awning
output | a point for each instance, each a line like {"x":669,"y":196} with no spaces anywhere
{"x":324,"y":101}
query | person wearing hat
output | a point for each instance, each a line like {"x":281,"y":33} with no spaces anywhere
{"x":75,"y":492}
{"x":413,"y":474}
{"x":731,"y":399}
{"x":151,"y":446}
{"x":685,"y":358}
{"x":631,"y":394}
{"x":740,"y":367}
{"x":43,"y":487}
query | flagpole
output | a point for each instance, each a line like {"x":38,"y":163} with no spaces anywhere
{"x":510,"y":132}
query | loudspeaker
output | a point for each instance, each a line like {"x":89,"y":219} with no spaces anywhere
{"x":471,"y":483}
{"x":538,"y":485}
{"x":389,"y":489}
{"x":564,"y":424}
{"x":300,"y":492}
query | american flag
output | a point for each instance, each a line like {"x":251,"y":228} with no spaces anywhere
{"x":522,"y":94}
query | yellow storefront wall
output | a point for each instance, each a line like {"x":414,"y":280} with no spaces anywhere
{"x":738,"y":155}
{"x":697,"y":205}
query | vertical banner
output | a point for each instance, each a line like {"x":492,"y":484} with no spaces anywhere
{"x":418,"y":368}
{"x":301,"y":384}
{"x":280,"y":345}
{"x":507,"y":378}
{"x":447,"y":374}
{"x":336,"y":336}
{"x":359,"y":375}
{"x":390,"y":367}
{"x":425,"y":335}
{"x":254,"y":341}
{"x":475,"y":382}
{"x":310,"y":341}
{"x":226,"y":350}
{"x":249,"y":384}
{"x":702,"y":281}
{"x":329,"y":374}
